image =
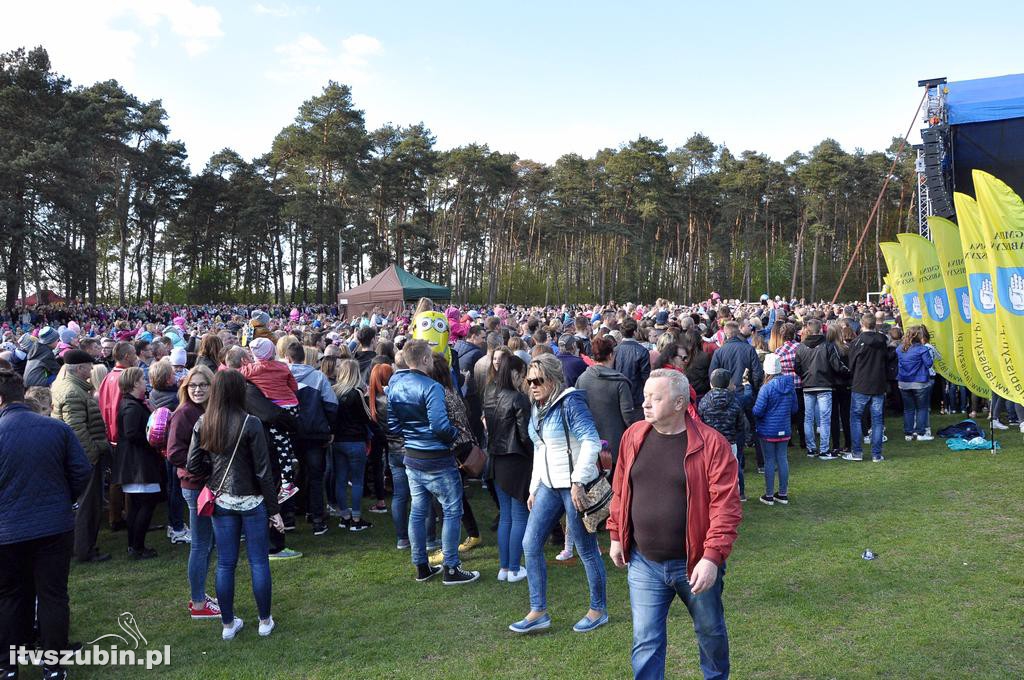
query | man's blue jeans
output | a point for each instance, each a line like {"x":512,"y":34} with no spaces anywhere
{"x":775,"y":459}
{"x":513,"y":517}
{"x":548,"y":505}
{"x":227,"y":527}
{"x":818,"y":419}
{"x":400,"y":499}
{"x":446,"y":486}
{"x":175,"y":504}
{"x":915,"y":410}
{"x":652,"y":587}
{"x":199,"y":549}
{"x":859,"y":402}
{"x":349,"y":466}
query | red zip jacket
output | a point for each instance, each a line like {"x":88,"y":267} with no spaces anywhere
{"x":109,"y":396}
{"x":713,"y":510}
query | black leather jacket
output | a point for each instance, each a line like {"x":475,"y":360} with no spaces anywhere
{"x":249,"y":475}
{"x":508,"y":418}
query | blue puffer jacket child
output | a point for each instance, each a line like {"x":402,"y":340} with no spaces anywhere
{"x":775,"y":406}
{"x":914,"y":363}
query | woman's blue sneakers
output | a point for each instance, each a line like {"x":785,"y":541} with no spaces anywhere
{"x":527,"y":626}
{"x":585,"y":625}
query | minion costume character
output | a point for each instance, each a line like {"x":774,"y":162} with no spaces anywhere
{"x":434,"y":329}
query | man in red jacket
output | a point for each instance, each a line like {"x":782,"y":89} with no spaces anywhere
{"x":674,"y":513}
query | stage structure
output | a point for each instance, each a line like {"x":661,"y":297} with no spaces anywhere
{"x":970,"y":124}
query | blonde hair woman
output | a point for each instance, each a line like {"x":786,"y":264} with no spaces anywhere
{"x":348,"y":452}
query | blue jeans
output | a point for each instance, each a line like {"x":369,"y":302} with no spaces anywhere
{"x":349,"y":466}
{"x":513,"y":517}
{"x":400,"y":499}
{"x":548,"y":505}
{"x":859,"y":402}
{"x":446,"y":486}
{"x":737,"y":453}
{"x":175,"y":502}
{"x":199,"y":549}
{"x":957,"y":398}
{"x":817,"y":419}
{"x":775,"y":459}
{"x":652,"y":587}
{"x":915,"y":410}
{"x":227,"y":527}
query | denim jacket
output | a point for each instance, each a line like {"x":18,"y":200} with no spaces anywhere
{"x":550,"y":455}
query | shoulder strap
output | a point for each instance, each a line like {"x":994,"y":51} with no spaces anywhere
{"x":568,"y":444}
{"x":223,"y":479}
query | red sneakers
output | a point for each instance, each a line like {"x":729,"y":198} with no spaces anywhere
{"x":286,"y":492}
{"x":209,"y":609}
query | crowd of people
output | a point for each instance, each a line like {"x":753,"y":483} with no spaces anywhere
{"x":243,"y":421}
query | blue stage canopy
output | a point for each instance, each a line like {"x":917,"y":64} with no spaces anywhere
{"x":985,"y":99}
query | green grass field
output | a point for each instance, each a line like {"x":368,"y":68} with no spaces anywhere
{"x":944,"y":599}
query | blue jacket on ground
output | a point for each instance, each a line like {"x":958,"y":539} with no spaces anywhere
{"x":416,"y":411}
{"x":914,"y":363}
{"x":43,"y":470}
{"x":774,"y":408}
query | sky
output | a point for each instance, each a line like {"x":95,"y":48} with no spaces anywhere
{"x":539,"y":79}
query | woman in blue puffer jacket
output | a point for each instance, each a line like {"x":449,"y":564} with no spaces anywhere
{"x":773,"y":411}
{"x":915,"y":358}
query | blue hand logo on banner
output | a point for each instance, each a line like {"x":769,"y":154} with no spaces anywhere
{"x":938,"y":304}
{"x":982,"y":294}
{"x":1010,"y":283}
{"x":963,"y":300}
{"x":912,"y":305}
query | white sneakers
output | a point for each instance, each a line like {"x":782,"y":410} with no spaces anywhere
{"x":503,"y":574}
{"x":267,"y":628}
{"x":183,"y":536}
{"x":999,"y":426}
{"x":515,"y":576}
{"x":231,"y":631}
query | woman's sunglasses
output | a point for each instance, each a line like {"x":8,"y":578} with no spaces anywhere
{"x":535,"y":382}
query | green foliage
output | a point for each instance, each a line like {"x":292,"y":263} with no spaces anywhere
{"x":96,"y":202}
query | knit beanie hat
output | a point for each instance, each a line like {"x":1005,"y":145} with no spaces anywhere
{"x":720,"y":378}
{"x":48,"y":336}
{"x":67,"y":336}
{"x":25,"y":342}
{"x":260,"y":316}
{"x":262,"y":349}
{"x":772,"y":364}
{"x":178,"y":356}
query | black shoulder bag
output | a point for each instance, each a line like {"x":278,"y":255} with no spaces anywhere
{"x":598,"y":492}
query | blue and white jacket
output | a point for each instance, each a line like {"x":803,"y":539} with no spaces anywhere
{"x":550,"y":448}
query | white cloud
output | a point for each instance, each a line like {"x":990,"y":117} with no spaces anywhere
{"x":307,"y":59}
{"x":95,"y":41}
{"x":280,"y":11}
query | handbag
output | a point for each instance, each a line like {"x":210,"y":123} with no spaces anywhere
{"x":597,"y":492}
{"x":474,"y":463}
{"x":207,"y":498}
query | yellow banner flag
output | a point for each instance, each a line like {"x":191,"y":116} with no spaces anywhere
{"x":983,"y":306}
{"x":946,"y":237}
{"x":1003,"y":222}
{"x":901,"y":279}
{"x":924,"y":263}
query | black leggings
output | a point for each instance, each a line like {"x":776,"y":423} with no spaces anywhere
{"x":140,"y":513}
{"x":841,"y":397}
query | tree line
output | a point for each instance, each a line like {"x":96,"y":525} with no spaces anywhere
{"x":97,"y":203}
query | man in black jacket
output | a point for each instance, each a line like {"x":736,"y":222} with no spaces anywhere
{"x":633,"y":360}
{"x":870,"y":361}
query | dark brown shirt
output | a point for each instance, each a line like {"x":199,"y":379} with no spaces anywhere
{"x":658,"y":512}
